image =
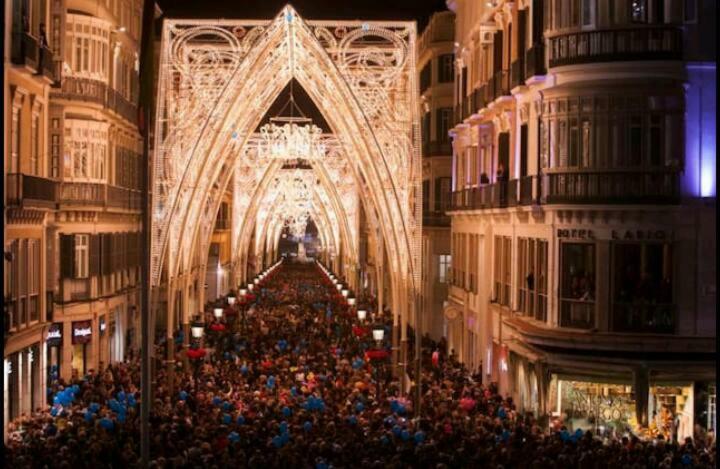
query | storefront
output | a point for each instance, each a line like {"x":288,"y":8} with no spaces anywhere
{"x":81,"y":346}
{"x":53,"y":349}
{"x":103,"y":350}
{"x":671,"y":410}
{"x":593,"y":405}
{"x":116,"y":334}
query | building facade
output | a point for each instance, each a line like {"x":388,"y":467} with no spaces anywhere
{"x":436,"y":69}
{"x":583,"y":208}
{"x":72,"y":171}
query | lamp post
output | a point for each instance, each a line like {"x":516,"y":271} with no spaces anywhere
{"x":361,"y":314}
{"x":378,"y":334}
{"x":197,"y":329}
{"x":243,"y":294}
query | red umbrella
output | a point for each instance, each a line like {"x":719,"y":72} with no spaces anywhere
{"x":218,"y":327}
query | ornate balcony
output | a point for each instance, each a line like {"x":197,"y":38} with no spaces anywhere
{"x":626,"y":187}
{"x":24,"y":190}
{"x":574,"y":187}
{"x":123,"y":198}
{"x":98,"y":196}
{"x":26,"y":51}
{"x":97,"y":92}
{"x":615,"y":45}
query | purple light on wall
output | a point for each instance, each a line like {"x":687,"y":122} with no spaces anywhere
{"x":700,"y":152}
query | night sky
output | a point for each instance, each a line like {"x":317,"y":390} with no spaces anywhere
{"x":419,"y":10}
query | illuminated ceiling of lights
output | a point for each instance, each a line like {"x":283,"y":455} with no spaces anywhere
{"x":218,"y":78}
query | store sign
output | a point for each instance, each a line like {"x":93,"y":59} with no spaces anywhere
{"x":54,"y":335}
{"x":575,"y":233}
{"x":81,"y":332}
{"x":640,"y":235}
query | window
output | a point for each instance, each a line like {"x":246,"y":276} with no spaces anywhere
{"x":82,"y":256}
{"x":15,"y":140}
{"x":33,"y":282}
{"x":473,"y":263}
{"x":587,"y":12}
{"x":442,"y":194}
{"x":642,"y":290}
{"x":655,"y":143}
{"x":532,"y":277}
{"x":443,"y":267}
{"x":446,"y":69}
{"x":574,"y":143}
{"x":577,"y":302}
{"x":638,"y":11}
{"x":85,"y":150}
{"x":89,"y":51}
{"x":444,"y":124}
{"x":636,"y":146}
{"x":426,"y":196}
{"x":503,"y":245}
{"x":426,"y":77}
{"x":426,"y":137}
{"x":35,"y":143}
{"x":690,"y":11}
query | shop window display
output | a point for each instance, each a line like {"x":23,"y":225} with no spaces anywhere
{"x":605,"y":408}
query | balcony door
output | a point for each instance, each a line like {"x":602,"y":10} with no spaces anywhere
{"x":504,"y":153}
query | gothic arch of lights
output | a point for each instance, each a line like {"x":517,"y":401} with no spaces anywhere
{"x":217,"y":79}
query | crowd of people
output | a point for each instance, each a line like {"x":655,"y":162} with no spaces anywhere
{"x":299,"y":382}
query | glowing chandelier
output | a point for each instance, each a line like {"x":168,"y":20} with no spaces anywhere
{"x":291,"y":138}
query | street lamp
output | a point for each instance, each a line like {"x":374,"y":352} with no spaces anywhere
{"x":351,"y":301}
{"x":197,"y":328}
{"x":231,"y":300}
{"x":362,"y":314}
{"x":378,"y":333}
{"x":251,"y":286}
{"x":243,"y":292}
{"x":218,"y":312}
{"x":345,"y":292}
{"x":339,"y":286}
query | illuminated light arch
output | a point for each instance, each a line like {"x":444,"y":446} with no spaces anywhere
{"x":208,"y":110}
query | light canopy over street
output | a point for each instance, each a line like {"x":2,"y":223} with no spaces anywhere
{"x":407,"y":234}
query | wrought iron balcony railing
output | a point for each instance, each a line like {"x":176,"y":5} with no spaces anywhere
{"x":596,"y":187}
{"x":614,"y":45}
{"x":99,"y":195}
{"x":97,"y":92}
{"x":30,"y":191}
{"x":27,"y":51}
